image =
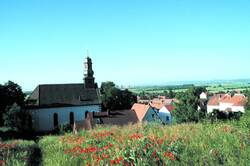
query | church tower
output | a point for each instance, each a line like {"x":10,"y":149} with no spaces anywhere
{"x":89,"y":79}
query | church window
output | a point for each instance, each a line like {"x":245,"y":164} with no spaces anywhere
{"x":55,"y":120}
{"x":71,"y":118}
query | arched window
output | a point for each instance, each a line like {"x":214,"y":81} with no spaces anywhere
{"x":71,"y":118}
{"x":55,"y":120}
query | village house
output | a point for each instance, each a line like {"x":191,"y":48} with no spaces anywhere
{"x":55,"y":104}
{"x":165,"y":113}
{"x":145,"y":112}
{"x":227,"y":103}
{"x":163,"y":107}
{"x":203,"y":96}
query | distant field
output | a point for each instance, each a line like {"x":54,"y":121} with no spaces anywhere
{"x":214,"y":88}
{"x":228,"y":87}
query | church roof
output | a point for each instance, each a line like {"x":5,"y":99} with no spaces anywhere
{"x":59,"y":95}
{"x":120,"y":117}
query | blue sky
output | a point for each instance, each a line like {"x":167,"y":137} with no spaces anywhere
{"x":131,"y":42}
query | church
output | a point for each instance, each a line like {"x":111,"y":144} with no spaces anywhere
{"x":51,"y":105}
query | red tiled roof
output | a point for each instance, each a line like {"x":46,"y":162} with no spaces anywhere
{"x":140,"y":110}
{"x":226,"y":99}
{"x":239,"y":100}
{"x":214,"y":101}
{"x":156,"y":104}
{"x":236,"y":100}
{"x":170,"y":108}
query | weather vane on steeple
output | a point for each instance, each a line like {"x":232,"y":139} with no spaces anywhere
{"x":87,"y":52}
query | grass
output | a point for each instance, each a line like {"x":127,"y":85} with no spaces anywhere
{"x":18,"y":152}
{"x":220,"y":143}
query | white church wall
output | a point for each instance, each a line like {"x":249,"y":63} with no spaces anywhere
{"x":43,"y":118}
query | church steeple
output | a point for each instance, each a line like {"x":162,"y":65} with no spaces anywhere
{"x":89,"y":79}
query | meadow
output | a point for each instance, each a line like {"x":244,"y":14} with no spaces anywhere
{"x":212,"y":88}
{"x":220,"y":143}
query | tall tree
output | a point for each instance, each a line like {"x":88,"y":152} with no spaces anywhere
{"x":187,"y":108}
{"x":114,"y":98}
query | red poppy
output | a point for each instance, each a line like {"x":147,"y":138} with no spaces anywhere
{"x":154,"y":154}
{"x":170,"y":155}
{"x":2,"y":162}
{"x":104,"y":156}
{"x":135,"y":136}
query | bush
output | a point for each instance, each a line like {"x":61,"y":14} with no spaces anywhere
{"x":222,"y":115}
{"x":20,"y":153}
{"x":17,"y":118}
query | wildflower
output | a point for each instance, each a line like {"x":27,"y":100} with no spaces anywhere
{"x":135,"y":136}
{"x":160,"y":141}
{"x":2,"y":162}
{"x":104,"y":156}
{"x":116,"y":161}
{"x":112,"y":162}
{"x":170,"y":155}
{"x":154,"y":154}
{"x":98,"y":158}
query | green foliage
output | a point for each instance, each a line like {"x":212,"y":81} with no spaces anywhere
{"x":16,"y":118}
{"x":63,"y":129}
{"x":186,"y":109}
{"x":114,"y":98}
{"x":11,"y":116}
{"x":10,"y":93}
{"x":248,"y":99}
{"x":19,"y":152}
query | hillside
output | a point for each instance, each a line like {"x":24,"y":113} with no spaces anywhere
{"x":220,"y":143}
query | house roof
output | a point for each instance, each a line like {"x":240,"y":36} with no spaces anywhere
{"x":239,"y":100}
{"x":140,"y":110}
{"x":57,"y":95}
{"x":120,"y":117}
{"x":214,"y":101}
{"x":236,"y":100}
{"x":156,"y":104}
{"x":170,"y":108}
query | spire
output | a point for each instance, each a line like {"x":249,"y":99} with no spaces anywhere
{"x":87,"y":52}
{"x":89,"y":80}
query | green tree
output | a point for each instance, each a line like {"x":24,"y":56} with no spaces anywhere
{"x":15,"y":117}
{"x":114,"y":98}
{"x":171,"y":93}
{"x":106,"y":87}
{"x":10,"y":93}
{"x":248,"y":99}
{"x":186,"y":109}
{"x":11,"y":115}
